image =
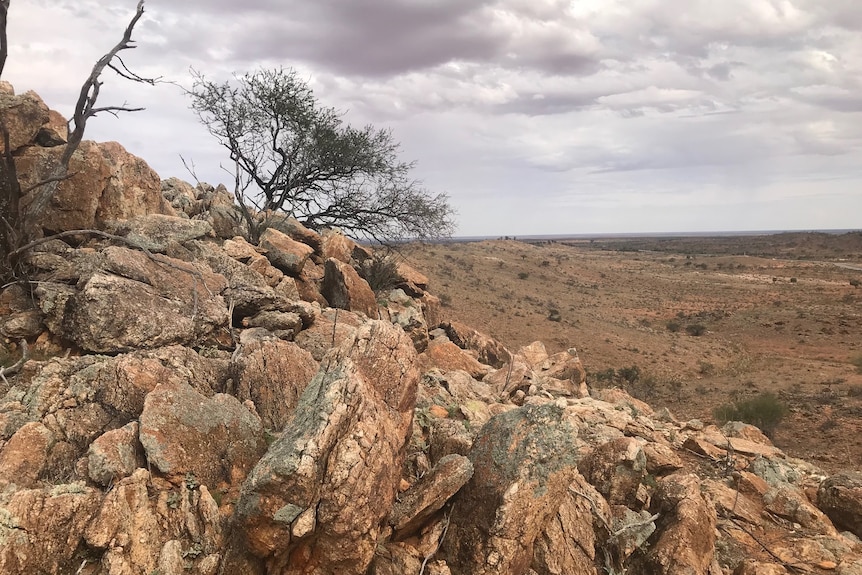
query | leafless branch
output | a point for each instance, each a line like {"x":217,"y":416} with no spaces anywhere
{"x":47,"y":181}
{"x":4,"y":46}
{"x":16,"y":367}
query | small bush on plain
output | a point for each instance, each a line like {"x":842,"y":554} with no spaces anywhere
{"x":765,"y":411}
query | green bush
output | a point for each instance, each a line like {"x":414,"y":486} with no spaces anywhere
{"x":765,"y":411}
{"x":381,"y":273}
{"x":673,"y":326}
{"x":857,"y":361}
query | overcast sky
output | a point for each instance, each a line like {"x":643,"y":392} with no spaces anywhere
{"x":535,"y":116}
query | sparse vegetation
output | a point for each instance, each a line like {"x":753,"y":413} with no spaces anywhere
{"x":381,"y":273}
{"x":523,"y":275}
{"x":857,"y":361}
{"x":695,"y":329}
{"x":765,"y":411}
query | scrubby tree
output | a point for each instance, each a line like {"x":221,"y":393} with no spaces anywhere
{"x":293,"y":155}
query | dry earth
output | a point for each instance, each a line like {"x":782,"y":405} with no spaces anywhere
{"x":779,"y":313}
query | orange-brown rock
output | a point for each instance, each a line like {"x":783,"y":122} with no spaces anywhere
{"x":523,"y":462}
{"x":344,"y":289}
{"x":23,"y":117}
{"x":115,"y":454}
{"x":109,"y":184}
{"x":315,"y":502}
{"x":25,"y":455}
{"x":447,"y":356}
{"x":616,"y":469}
{"x":334,"y":244}
{"x":840,"y":497}
{"x":273,"y":374}
{"x":491,"y":351}
{"x":285,"y":253}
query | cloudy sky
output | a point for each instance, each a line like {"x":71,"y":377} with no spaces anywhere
{"x":535,"y":116}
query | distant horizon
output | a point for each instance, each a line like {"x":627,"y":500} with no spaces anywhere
{"x":633,"y":235}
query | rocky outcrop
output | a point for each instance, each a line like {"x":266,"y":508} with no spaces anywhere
{"x":523,"y":462}
{"x":309,"y":505}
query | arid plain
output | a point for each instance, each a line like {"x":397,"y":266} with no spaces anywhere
{"x":700,"y":322}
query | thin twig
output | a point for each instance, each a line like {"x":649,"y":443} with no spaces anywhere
{"x":16,"y":367}
{"x":446,"y":521}
{"x":772,"y":554}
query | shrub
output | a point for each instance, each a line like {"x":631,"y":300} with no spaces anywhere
{"x":765,"y":411}
{"x":381,"y":273}
{"x":695,"y":329}
{"x":673,"y":326}
{"x":855,"y":283}
{"x":857,"y":361}
{"x":793,"y":280}
{"x":554,"y":315}
{"x":523,"y":275}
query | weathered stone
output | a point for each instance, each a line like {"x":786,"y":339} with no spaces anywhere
{"x":447,"y":356}
{"x":155,"y":231}
{"x":184,"y":432}
{"x":22,"y":325}
{"x":341,"y":457}
{"x":616,"y":469}
{"x":840,"y":497}
{"x":686,"y":525}
{"x":273,"y":374}
{"x":115,"y":454}
{"x":25,"y":455}
{"x":395,"y":559}
{"x":329,"y":330}
{"x":286,"y":254}
{"x":523,"y":461}
{"x":283,"y":323}
{"x":344,"y":289}
{"x":567,"y":544}
{"x":791,"y":503}
{"x":336,"y":245}
{"x":661,"y":459}
{"x":23,"y":117}
{"x":293,"y":228}
{"x":429,"y":494}
{"x":563,"y":374}
{"x":40,"y":530}
{"x":491,"y":352}
{"x":405,"y":312}
{"x":109,"y":184}
{"x":54,"y":132}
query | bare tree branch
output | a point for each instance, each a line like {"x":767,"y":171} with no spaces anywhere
{"x":85,"y":108}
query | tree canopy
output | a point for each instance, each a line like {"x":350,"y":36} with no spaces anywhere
{"x":293,"y":155}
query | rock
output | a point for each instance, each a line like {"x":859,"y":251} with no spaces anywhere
{"x":240,"y":250}
{"x":183,"y":432}
{"x":791,"y":503}
{"x":155,"y":231}
{"x":534,"y":354}
{"x":272,"y":375}
{"x":25,"y":455}
{"x":344,"y":289}
{"x":523,"y":461}
{"x":294,"y":229}
{"x":429,"y":494}
{"x":336,"y":245}
{"x":395,"y":559}
{"x":404,"y":311}
{"x":616,"y":469}
{"x":412,"y":277}
{"x":563,"y":374}
{"x":358,"y":408}
{"x":41,"y":530}
{"x":115,"y":455}
{"x":109,"y":184}
{"x":330,"y":329}
{"x":568,"y":542}
{"x":447,"y":356}
{"x":686,"y":524}
{"x":491,"y":352}
{"x":22,"y":325}
{"x":448,"y":437}
{"x":54,"y":132}
{"x":286,"y":254}
{"x":182,"y":196}
{"x":23,"y":117}
{"x":840,"y":497}
{"x":661,"y":459}
{"x":284,"y":324}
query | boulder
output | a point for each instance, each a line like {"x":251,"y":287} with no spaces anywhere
{"x":294,"y":229}
{"x":617,"y":469}
{"x":344,"y":289}
{"x":416,"y":505}
{"x":840,"y":497}
{"x":115,"y":454}
{"x":109,"y":184}
{"x":23,"y":117}
{"x":334,"y":244}
{"x":155,"y":232}
{"x":330,"y":329}
{"x":285,"y":253}
{"x":447,"y":356}
{"x":316,"y":501}
{"x":24,"y":457}
{"x":524,"y":461}
{"x":491,"y":352}
{"x":215,"y":439}
{"x":143,"y":303}
{"x":41,"y":529}
{"x":405,"y":312}
{"x":273,"y":374}
{"x":685,"y":544}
